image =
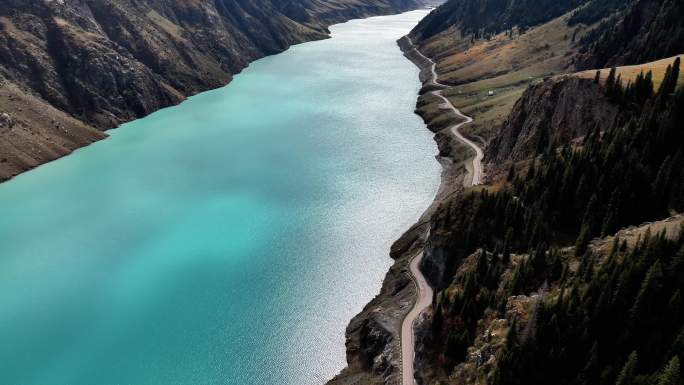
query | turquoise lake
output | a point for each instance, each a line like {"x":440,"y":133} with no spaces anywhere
{"x":227,"y":240}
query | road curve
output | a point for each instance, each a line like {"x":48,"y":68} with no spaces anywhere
{"x":424,"y":300}
{"x":423,"y":289}
{"x":474,"y":177}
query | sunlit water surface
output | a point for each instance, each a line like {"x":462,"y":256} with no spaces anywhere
{"x":227,"y":240}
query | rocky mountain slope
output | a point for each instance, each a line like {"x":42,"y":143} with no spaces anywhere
{"x":487,"y":17}
{"x":559,"y":316}
{"x":645,"y":31}
{"x":489,"y":73}
{"x":545,"y":274}
{"x":90,"y":65}
{"x":491,"y":51}
{"x":551,"y":112}
{"x":523,"y":293}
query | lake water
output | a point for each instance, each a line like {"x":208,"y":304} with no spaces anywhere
{"x":228,"y":240}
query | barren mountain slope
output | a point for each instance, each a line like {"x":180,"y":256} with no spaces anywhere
{"x":108,"y":62}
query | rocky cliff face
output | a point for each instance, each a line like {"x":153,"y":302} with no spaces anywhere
{"x":554,"y":112}
{"x":108,"y":62}
{"x":372,"y":337}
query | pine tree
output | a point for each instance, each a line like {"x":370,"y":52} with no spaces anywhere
{"x":648,"y":85}
{"x":517,"y":279}
{"x":506,"y":251}
{"x":511,"y":173}
{"x":582,"y":241}
{"x":610,"y":81}
{"x":629,"y":299}
{"x":532,"y":171}
{"x":671,"y":373}
{"x":592,"y":366}
{"x":482,"y":266}
{"x":670,"y":79}
{"x":618,"y":89}
{"x":597,"y":78}
{"x":628,"y":372}
{"x":675,"y":75}
{"x":612,"y":213}
{"x":661,"y":184}
{"x":643,"y":87}
{"x":674,"y":305}
{"x":589,"y":217}
{"x":512,"y":335}
{"x":647,"y":293}
{"x":538,"y":258}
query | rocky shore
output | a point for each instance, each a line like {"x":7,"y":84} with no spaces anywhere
{"x":488,"y":254}
{"x":372,"y":337}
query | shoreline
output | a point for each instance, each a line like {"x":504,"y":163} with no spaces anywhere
{"x":398,"y":287}
{"x":215,"y":200}
{"x":374,"y":334}
{"x":33,"y":161}
{"x":472,"y":178}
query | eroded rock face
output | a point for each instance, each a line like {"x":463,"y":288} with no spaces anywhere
{"x":372,"y":337}
{"x":111,"y":61}
{"x":556,"y":111}
{"x":6,"y":120}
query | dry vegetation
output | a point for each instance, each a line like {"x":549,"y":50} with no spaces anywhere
{"x":504,"y":64}
{"x":33,"y":131}
{"x":629,"y":73}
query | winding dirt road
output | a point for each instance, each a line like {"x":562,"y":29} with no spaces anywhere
{"x":407,"y":335}
{"x":474,"y":177}
{"x":424,"y":291}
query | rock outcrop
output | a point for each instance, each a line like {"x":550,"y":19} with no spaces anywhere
{"x":6,"y":120}
{"x":556,"y":111}
{"x":373,"y":344}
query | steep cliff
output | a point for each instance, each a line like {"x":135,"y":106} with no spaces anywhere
{"x":548,"y":114}
{"x":108,"y":62}
{"x":372,"y":336}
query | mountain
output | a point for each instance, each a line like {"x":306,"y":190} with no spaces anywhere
{"x":647,"y":30}
{"x":72,"y":68}
{"x":565,"y":266}
{"x":551,"y":112}
{"x":483,"y":17}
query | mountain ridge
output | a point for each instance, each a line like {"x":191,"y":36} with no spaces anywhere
{"x":548,"y":261}
{"x":108,"y":62}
